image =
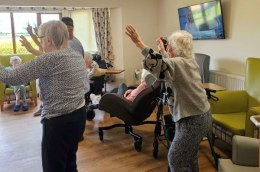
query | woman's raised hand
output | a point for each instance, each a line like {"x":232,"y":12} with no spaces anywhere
{"x":135,"y":37}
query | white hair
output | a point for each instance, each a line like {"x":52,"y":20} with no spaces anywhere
{"x":55,"y":30}
{"x":181,"y":42}
{"x":15,"y":58}
{"x":88,"y":57}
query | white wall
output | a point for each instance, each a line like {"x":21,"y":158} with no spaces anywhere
{"x":117,"y":39}
{"x":242,"y":30}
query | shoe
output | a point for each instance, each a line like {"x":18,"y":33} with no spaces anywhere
{"x":25,"y":107}
{"x":16,"y":108}
{"x":38,"y":112}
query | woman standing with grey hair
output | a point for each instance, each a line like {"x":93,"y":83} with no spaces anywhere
{"x":62,"y":81}
{"x":187,"y":102}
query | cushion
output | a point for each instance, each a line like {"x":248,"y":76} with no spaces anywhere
{"x":226,"y":165}
{"x":233,"y":122}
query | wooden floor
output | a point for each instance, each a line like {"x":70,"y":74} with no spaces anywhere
{"x":20,"y":146}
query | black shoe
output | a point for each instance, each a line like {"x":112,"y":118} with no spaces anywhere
{"x":25,"y":107}
{"x":16,"y":108}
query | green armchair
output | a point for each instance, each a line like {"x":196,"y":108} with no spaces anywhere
{"x":231,"y":114}
{"x":6,"y":93}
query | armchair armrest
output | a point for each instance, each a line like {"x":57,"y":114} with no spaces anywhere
{"x":2,"y":91}
{"x":245,"y":151}
{"x":249,"y":125}
{"x":33,"y":87}
{"x":229,"y":102}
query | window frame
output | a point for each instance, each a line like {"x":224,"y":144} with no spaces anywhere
{"x":38,"y":20}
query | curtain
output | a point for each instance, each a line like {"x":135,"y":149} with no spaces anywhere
{"x":103,"y":33}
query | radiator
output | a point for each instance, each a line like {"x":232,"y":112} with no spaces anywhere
{"x":229,"y":81}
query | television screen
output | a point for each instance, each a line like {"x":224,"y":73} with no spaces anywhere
{"x":203,"y":21}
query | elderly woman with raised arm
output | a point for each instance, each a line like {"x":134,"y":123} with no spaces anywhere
{"x":62,"y":81}
{"x":190,"y":109}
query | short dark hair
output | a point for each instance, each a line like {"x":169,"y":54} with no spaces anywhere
{"x":68,"y":21}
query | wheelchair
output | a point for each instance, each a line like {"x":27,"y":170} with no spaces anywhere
{"x":96,"y":87}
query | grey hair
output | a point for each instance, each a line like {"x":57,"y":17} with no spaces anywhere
{"x":15,"y":58}
{"x":55,"y":30}
{"x":181,"y":42}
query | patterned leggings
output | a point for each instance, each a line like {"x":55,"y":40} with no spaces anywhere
{"x":182,"y":155}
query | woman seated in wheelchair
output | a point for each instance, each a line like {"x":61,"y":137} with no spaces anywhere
{"x":19,"y":90}
{"x":92,"y":66}
{"x":130,"y":94}
{"x":93,"y":71}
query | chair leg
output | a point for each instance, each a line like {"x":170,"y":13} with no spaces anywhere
{"x":128,"y":130}
{"x":138,"y":139}
{"x":100,"y":130}
{"x":2,"y":106}
{"x":213,"y":138}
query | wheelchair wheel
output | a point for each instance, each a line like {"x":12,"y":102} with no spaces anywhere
{"x":90,"y":114}
{"x":138,"y":145}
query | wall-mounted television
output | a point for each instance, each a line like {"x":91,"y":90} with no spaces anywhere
{"x":203,"y":21}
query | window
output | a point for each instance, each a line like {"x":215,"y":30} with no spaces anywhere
{"x":11,"y":31}
{"x":21,"y":20}
{"x":13,"y":25}
{"x":48,"y":17}
{"x":5,"y":34}
{"x":84,"y":29}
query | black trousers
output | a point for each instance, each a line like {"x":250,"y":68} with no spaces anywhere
{"x":60,"y":141}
